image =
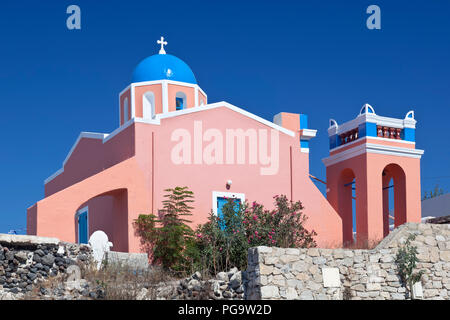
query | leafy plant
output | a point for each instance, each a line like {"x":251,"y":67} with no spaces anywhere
{"x":222,"y":241}
{"x":406,"y":260}
{"x":436,"y":192}
{"x":167,"y":238}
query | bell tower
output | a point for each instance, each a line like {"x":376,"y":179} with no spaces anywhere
{"x":369,"y":157}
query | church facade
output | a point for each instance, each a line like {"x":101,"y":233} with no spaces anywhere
{"x":170,"y":135}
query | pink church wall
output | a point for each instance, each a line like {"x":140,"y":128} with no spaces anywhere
{"x":55,"y":214}
{"x":290,"y":121}
{"x":203,"y":179}
{"x":91,"y":156}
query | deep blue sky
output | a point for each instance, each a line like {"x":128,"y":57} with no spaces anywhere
{"x":312,"y":57}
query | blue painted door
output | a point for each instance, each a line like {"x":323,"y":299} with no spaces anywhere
{"x":221,"y":201}
{"x":83,"y":227}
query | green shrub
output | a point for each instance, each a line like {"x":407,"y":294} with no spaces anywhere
{"x":406,"y":260}
{"x":167,"y":238}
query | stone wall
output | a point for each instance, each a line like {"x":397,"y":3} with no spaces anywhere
{"x":306,"y":274}
{"x":224,"y":286}
{"x":25,"y":261}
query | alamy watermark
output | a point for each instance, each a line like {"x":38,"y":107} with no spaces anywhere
{"x":239,"y":146}
{"x":73,"y":21}
{"x":374,"y":20}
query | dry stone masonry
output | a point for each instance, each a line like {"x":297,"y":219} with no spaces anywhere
{"x":25,"y":261}
{"x":335,"y":274}
{"x":225,"y":286}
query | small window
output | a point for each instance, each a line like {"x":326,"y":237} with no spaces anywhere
{"x":125,"y":110}
{"x":180,"y":101}
{"x":148,"y":105}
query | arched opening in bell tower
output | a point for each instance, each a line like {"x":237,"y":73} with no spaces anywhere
{"x":347,"y":205}
{"x":394,"y":196}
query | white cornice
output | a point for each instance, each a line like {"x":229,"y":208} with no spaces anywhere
{"x":374,"y":138}
{"x":372,"y":148}
{"x":307,"y":134}
{"x":372,"y":118}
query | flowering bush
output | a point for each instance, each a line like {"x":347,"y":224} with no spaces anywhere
{"x":224,"y":242}
{"x":282,"y":227}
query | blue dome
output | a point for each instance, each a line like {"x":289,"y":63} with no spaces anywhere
{"x":163,"y":67}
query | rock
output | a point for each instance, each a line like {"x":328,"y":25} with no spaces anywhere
{"x":240,"y":289}
{"x":236,"y":280}
{"x":142,"y":294}
{"x":21,"y":256}
{"x":82,"y":257}
{"x":48,"y":260}
{"x":39,"y":252}
{"x":222,"y":276}
{"x":7,"y":296}
{"x":32,"y":276}
{"x":306,"y":295}
{"x":39,"y":266}
{"x":14,"y":290}
{"x":9,"y":256}
{"x":270,"y":292}
{"x":291,"y":294}
{"x":231,"y":272}
{"x":193,"y":283}
{"x":445,"y":255}
{"x":197,"y":276}
{"x":36,"y":258}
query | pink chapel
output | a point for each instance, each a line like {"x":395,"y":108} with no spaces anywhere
{"x":170,"y":135}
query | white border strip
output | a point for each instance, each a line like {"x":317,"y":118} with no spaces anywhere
{"x":368,"y":137}
{"x":372,"y":148}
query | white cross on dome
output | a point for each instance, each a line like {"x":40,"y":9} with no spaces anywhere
{"x":162,"y":43}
